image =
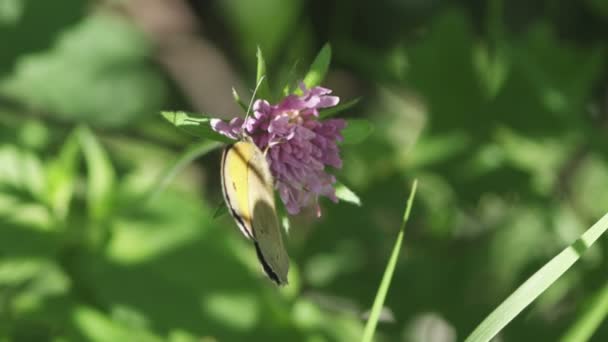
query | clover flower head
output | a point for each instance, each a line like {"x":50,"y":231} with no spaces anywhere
{"x":299,"y":145}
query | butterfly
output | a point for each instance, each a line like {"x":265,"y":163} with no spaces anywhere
{"x":248,"y":189}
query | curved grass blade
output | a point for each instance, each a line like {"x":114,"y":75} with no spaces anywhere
{"x":332,"y":111}
{"x":370,"y":326}
{"x":193,"y":152}
{"x":594,"y":314}
{"x":536,"y":284}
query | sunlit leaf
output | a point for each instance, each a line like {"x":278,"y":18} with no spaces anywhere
{"x":61,"y":175}
{"x":347,"y":195}
{"x":100,"y":175}
{"x":21,"y":172}
{"x":33,"y":281}
{"x":291,"y":80}
{"x":11,"y":11}
{"x":99,"y":328}
{"x":195,"y":125}
{"x":114,"y":82}
{"x":319,"y":67}
{"x":261,"y":79}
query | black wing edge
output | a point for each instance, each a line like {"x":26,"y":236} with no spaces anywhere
{"x":267,"y":269}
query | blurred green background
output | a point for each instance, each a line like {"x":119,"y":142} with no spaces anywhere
{"x":499,"y":108}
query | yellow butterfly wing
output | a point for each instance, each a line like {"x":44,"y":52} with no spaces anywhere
{"x":235,"y":164}
{"x":248,"y":191}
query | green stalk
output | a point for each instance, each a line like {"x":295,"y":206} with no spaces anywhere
{"x":372,"y":322}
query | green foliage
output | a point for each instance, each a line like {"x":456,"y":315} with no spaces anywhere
{"x":356,"y":131}
{"x":96,"y":72}
{"x":245,"y":18}
{"x":10,"y":11}
{"x":109,"y":221}
{"x":101,"y":176}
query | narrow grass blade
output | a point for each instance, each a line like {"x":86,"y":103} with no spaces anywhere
{"x":192,"y":153}
{"x":594,"y":314}
{"x":333,"y":111}
{"x":370,"y":327}
{"x":536,"y":284}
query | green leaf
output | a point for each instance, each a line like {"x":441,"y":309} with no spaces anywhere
{"x":21,"y":174}
{"x":100,"y":175}
{"x":319,"y":67}
{"x":356,"y":131}
{"x":347,"y":195}
{"x":61,"y":177}
{"x":291,"y":80}
{"x":197,"y":126}
{"x":374,"y":315}
{"x":285,"y":223}
{"x":97,"y":326}
{"x":220,"y":210}
{"x":114,"y":83}
{"x":329,"y":112}
{"x":591,"y":319}
{"x":11,"y":11}
{"x":261,"y":79}
{"x":537,"y":284}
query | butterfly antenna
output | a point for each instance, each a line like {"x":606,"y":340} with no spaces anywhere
{"x":253,"y":96}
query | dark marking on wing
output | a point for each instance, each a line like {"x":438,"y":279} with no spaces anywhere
{"x":267,"y":269}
